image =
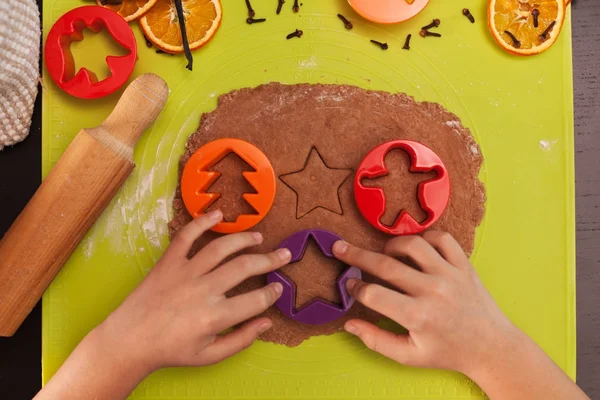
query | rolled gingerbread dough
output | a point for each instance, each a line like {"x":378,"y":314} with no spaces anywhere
{"x":315,"y":136}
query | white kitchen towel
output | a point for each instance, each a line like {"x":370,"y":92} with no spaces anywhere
{"x":19,"y":71}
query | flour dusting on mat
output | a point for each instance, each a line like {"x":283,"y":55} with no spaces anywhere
{"x":125,"y":219}
{"x":151,"y":233}
{"x":160,"y":211}
{"x":547,"y":145}
{"x":87,"y":246}
{"x":308,"y":63}
{"x":160,"y":219}
{"x":146,"y":184}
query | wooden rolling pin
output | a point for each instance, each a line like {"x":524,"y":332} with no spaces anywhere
{"x":71,"y":198}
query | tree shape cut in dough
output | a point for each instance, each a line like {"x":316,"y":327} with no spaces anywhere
{"x":400,"y":187}
{"x":231,"y":185}
{"x":316,"y":185}
{"x":323,"y":271}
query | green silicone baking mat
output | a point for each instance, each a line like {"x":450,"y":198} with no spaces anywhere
{"x":519,"y":110}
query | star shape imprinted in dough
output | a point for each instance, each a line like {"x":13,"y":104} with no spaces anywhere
{"x":316,"y":185}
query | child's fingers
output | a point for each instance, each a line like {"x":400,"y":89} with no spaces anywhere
{"x":237,"y":309}
{"x":233,"y":342}
{"x":182,"y":243}
{"x":219,"y":249}
{"x":390,"y":303}
{"x":239,"y":269}
{"x":448,"y":247}
{"x":418,"y":250}
{"x":398,"y":347}
{"x":387,"y":268}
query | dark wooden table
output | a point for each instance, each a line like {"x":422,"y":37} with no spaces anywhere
{"x":586,"y":64}
{"x":20,"y":168}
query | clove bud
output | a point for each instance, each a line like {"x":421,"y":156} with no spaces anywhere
{"x":347,"y":23}
{"x":384,"y":46}
{"x":516,"y":42}
{"x":536,"y":14}
{"x":297,"y":33}
{"x":251,"y":21}
{"x":251,"y":12}
{"x":434,"y":24}
{"x":425,"y":33}
{"x":407,"y":42}
{"x":467,"y":13}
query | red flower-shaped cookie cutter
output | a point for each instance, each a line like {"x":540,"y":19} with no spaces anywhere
{"x":196,"y":179}
{"x":433,"y":195}
{"x":59,"y":59}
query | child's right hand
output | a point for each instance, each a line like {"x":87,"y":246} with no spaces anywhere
{"x":452,"y":320}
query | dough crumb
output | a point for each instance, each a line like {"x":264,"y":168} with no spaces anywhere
{"x":453,"y":124}
{"x":547,"y":145}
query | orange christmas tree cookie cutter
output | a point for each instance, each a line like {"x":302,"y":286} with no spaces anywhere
{"x":196,"y":179}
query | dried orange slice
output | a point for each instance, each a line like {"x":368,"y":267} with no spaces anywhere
{"x":513,"y":24}
{"x":161,"y":25}
{"x":129,"y":9}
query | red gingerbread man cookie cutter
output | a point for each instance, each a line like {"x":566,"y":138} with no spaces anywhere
{"x":60,"y":62}
{"x":433,"y":195}
{"x":196,"y":179}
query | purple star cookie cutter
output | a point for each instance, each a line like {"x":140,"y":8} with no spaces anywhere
{"x":318,"y":311}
